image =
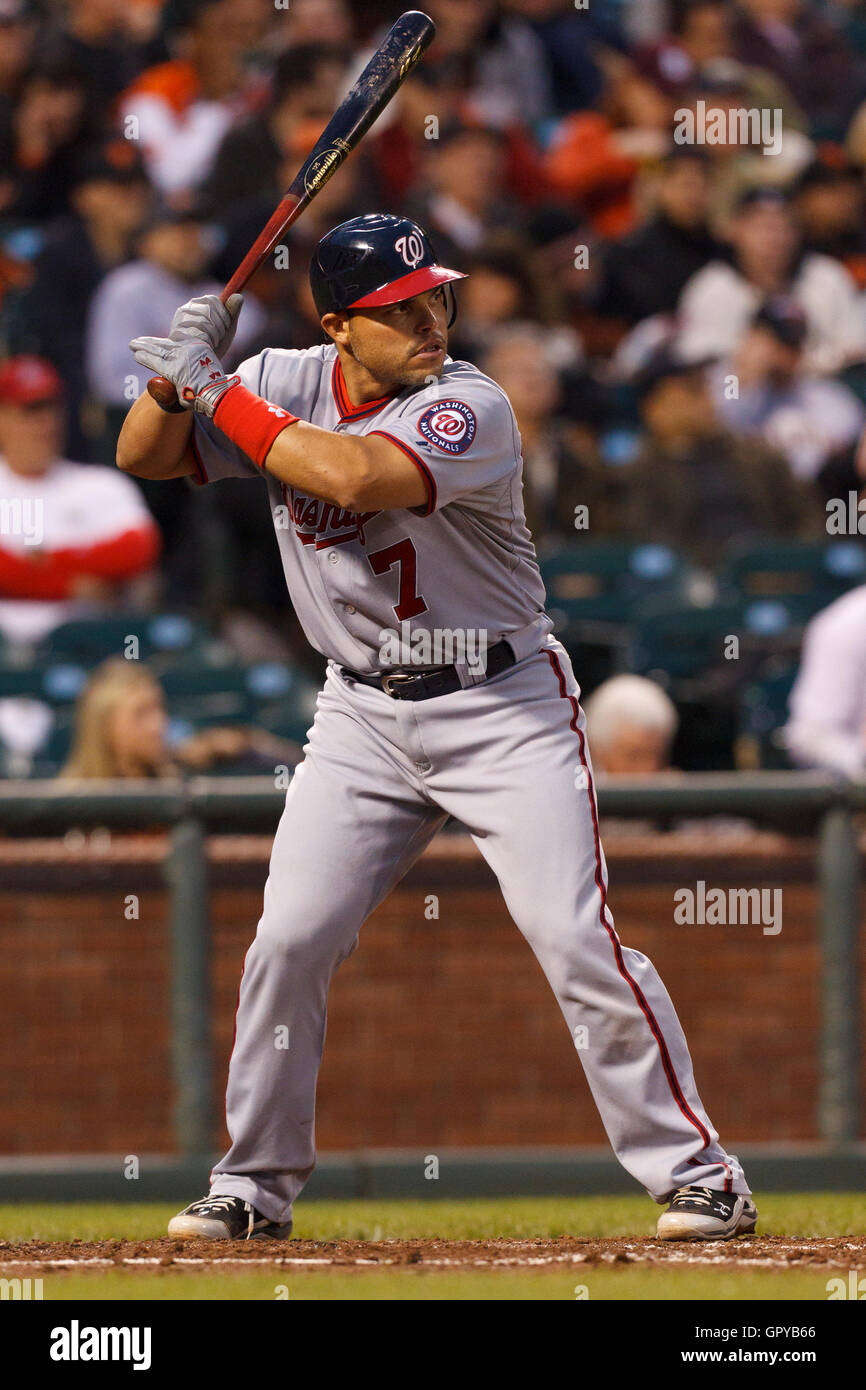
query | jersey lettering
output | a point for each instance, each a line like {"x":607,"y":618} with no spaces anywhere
{"x":410,"y":603}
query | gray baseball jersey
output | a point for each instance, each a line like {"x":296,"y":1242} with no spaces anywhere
{"x":464,"y":561}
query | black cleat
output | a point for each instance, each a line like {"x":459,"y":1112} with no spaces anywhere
{"x":700,"y":1213}
{"x":225,"y":1218}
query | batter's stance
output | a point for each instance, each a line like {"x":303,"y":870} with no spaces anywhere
{"x":394,"y":476}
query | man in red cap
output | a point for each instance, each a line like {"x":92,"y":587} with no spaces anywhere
{"x":68,"y":531}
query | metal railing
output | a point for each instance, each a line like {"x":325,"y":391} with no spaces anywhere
{"x":805,"y":803}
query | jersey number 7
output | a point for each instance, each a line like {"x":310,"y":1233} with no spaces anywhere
{"x":411,"y":603}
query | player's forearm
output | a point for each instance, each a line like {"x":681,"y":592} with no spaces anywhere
{"x":340,"y":468}
{"x":360,"y":473}
{"x":153,"y":444}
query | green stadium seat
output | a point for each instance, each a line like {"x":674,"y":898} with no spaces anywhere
{"x":292,"y":718}
{"x":56,"y":683}
{"x":674,"y":642}
{"x":207,"y":694}
{"x":782,"y":569}
{"x":762,"y":712}
{"x":595,"y":585}
{"x":204,"y":695}
{"x":91,"y":640}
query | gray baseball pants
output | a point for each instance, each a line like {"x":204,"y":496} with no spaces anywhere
{"x":508,"y":759}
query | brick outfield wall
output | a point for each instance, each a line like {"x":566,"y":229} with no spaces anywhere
{"x":441,"y":1032}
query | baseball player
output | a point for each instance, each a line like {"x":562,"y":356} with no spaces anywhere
{"x":394,"y":476}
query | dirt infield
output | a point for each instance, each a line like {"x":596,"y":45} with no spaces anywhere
{"x":749,"y":1252}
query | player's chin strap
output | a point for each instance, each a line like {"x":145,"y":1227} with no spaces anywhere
{"x":451,"y":296}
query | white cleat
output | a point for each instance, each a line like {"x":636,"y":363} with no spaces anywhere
{"x":701,"y":1213}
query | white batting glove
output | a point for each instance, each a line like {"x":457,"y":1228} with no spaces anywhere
{"x":196,"y":373}
{"x":208,"y":320}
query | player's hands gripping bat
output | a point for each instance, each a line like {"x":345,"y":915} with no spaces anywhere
{"x":209,"y":320}
{"x":389,"y":67}
{"x":193,"y":370}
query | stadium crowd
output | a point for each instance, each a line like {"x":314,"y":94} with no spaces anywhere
{"x":660,"y":204}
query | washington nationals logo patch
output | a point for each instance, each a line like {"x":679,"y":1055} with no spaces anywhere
{"x":450,"y":425}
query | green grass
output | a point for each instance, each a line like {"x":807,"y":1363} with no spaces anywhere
{"x":418,"y":1285}
{"x":795,"y":1215}
{"x":784,"y":1214}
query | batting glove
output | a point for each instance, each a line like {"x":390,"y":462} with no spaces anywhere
{"x":208,"y":320}
{"x":196,"y":373}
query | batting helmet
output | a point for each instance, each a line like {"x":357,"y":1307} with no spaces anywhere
{"x":374,"y":260}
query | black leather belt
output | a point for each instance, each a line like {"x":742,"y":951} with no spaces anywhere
{"x":424,"y":685}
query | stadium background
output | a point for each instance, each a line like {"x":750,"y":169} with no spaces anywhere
{"x":141,"y":148}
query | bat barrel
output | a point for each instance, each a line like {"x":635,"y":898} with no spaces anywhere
{"x":403,"y":47}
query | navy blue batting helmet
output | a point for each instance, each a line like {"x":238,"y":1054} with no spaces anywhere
{"x":374,"y":260}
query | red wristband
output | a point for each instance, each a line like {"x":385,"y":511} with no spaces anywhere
{"x":251,"y":422}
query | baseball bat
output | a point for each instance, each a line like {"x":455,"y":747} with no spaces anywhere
{"x":387,"y":70}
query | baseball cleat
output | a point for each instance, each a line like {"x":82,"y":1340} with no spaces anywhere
{"x":225,"y":1218}
{"x":700,"y":1213}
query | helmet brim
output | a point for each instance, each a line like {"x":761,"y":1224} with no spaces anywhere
{"x":407,"y":286}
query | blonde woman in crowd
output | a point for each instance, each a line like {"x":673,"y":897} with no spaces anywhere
{"x":121,"y":727}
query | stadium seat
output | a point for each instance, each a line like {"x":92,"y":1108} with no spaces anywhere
{"x":822,"y":569}
{"x":762,"y":712}
{"x":201,"y":695}
{"x":91,"y":640}
{"x":56,"y":683}
{"x":207,"y":694}
{"x":292,"y":717}
{"x":599,"y":582}
{"x":681,"y":642}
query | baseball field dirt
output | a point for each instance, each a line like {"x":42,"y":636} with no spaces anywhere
{"x":375,"y":1250}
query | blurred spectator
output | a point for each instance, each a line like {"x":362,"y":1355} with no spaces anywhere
{"x":502,"y":63}
{"x":317,"y":21}
{"x":141,"y":297}
{"x":830,"y":205}
{"x":765,"y":391}
{"x":646,"y":271}
{"x":719,"y":302}
{"x":102,"y":41}
{"x":435,"y":99}
{"x":701,"y":37}
{"x":594,"y":156}
{"x":39,"y":141}
{"x":791,"y":39}
{"x":461,"y":198}
{"x":304,"y":96}
{"x":827,"y":723}
{"x":121,"y":730}
{"x":694,"y":485}
{"x":17,"y":35}
{"x":182,"y":109}
{"x":632,"y":725}
{"x":109,"y":199}
{"x":561,"y":465}
{"x":757,"y":147}
{"x":570,"y":42}
{"x":502,"y":286}
{"x":72,"y":533}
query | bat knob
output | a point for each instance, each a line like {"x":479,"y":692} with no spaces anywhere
{"x":163,"y":392}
